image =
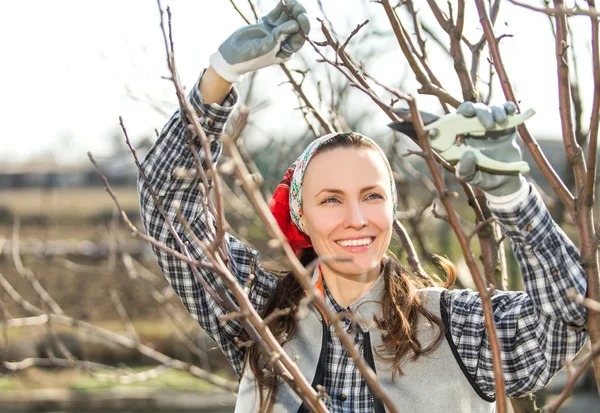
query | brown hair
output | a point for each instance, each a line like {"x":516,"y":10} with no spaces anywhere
{"x":400,"y":304}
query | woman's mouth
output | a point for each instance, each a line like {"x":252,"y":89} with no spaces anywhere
{"x":356,"y":245}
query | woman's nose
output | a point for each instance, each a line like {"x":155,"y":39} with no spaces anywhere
{"x":355,"y":216}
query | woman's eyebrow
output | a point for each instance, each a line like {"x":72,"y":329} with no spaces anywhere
{"x":339,"y":191}
{"x":331,"y":190}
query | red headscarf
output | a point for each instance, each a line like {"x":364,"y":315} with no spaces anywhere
{"x":280,"y":208}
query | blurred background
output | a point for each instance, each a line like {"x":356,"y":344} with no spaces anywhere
{"x":71,"y":68}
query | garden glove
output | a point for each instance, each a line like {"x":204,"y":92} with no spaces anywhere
{"x":500,"y":145}
{"x":274,"y":39}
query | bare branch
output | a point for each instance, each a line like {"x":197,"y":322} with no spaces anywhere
{"x":125,"y":342}
{"x":114,"y":296}
{"x":561,"y":190}
{"x":469,"y":258}
{"x":573,"y":377}
{"x":559,"y":10}
{"x":28,"y":274}
{"x":411,"y":253}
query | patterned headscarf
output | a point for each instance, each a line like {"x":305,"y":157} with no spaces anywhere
{"x":286,"y":204}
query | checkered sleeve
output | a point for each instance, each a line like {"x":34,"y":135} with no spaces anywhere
{"x":169,"y":155}
{"x":539,"y":329}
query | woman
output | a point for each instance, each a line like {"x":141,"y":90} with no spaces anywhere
{"x":428,"y":346}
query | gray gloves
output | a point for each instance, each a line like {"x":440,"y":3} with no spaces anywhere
{"x":499,"y":145}
{"x":271,"y":41}
{"x":488,"y":154}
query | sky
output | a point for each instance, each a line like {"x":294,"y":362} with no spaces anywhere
{"x":69,"y":69}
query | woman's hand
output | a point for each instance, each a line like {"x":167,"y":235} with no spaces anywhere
{"x":500,"y":145}
{"x":274,"y":39}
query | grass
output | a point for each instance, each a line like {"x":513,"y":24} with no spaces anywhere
{"x":76,"y":379}
{"x":172,"y":380}
{"x":66,"y":203}
{"x":5,"y":383}
{"x":150,"y":330}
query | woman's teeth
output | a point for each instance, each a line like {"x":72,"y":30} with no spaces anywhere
{"x":355,"y":242}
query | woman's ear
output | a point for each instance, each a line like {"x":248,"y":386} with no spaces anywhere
{"x":303,"y":223}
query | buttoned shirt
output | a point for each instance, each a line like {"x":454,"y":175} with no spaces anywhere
{"x":538,"y":329}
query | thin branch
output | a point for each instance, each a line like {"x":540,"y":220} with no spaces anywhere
{"x":411,"y":253}
{"x":427,"y":86}
{"x":584,"y":217}
{"x":133,"y":377}
{"x":139,"y":234}
{"x":469,"y":258}
{"x":54,"y":362}
{"x":28,"y":274}
{"x":114,"y":296}
{"x":239,"y":12}
{"x":325,"y":125}
{"x":590,"y":180}
{"x":549,"y":173}
{"x":559,"y":10}
{"x":125,"y":342}
{"x":573,"y":377}
{"x":587,"y":302}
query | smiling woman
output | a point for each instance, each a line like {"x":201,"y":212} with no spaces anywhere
{"x":348,"y":210}
{"x":343,"y":199}
{"x":428,"y":346}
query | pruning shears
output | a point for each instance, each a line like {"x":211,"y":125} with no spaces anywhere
{"x":452,"y":135}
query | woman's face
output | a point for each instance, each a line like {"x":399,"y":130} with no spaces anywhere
{"x":347,"y":208}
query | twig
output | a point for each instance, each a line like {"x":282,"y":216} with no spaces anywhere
{"x":557,"y":185}
{"x":469,"y":258}
{"x":26,"y":305}
{"x":239,"y":12}
{"x":559,"y":10}
{"x":28,"y":274}
{"x":137,"y":233}
{"x":411,"y":253}
{"x":325,"y":125}
{"x":352,"y":34}
{"x":427,"y":86}
{"x":125,"y":342}
{"x":54,"y":362}
{"x":573,"y":377}
{"x":479,"y":226}
{"x":194,"y":128}
{"x":586,"y":301}
{"x":253,"y":8}
{"x":584,"y":216}
{"x":114,"y":296}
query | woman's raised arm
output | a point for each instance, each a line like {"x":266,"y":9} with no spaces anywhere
{"x":539,"y":329}
{"x":213,"y":88}
{"x":169,"y":153}
{"x":272,"y":40}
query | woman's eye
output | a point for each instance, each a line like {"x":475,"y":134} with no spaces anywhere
{"x":329,"y":201}
{"x":374,"y":196}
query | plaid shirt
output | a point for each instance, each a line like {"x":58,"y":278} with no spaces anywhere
{"x":538,"y":329}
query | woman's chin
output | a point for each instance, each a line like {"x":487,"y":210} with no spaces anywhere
{"x":358,"y":268}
